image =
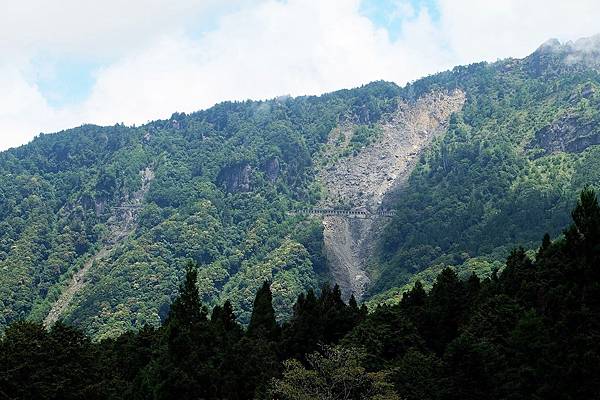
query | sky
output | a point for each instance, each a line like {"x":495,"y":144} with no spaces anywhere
{"x":64,"y":63}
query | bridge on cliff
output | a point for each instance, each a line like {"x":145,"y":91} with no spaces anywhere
{"x":132,"y":208}
{"x":361,"y":214}
{"x":126,"y":207}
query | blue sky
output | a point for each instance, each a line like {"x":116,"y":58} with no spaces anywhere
{"x":388,"y":14}
{"x":114,"y":61}
{"x":67,"y":81}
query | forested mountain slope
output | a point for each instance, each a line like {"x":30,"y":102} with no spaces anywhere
{"x":223,"y":181}
{"x":503,"y":170}
{"x":528,"y":332}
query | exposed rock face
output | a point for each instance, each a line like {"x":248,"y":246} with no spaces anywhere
{"x":553,"y":56}
{"x":272,"y":169}
{"x":369,"y":179}
{"x":568,"y":134}
{"x":235,"y":178}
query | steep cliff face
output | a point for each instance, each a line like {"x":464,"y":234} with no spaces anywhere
{"x":235,"y":178}
{"x":367,"y":178}
{"x":271,"y":169}
{"x":569,"y":134}
{"x":574,"y":129}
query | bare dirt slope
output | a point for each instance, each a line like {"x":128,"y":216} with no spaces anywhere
{"x":369,"y":179}
{"x":121,"y":224}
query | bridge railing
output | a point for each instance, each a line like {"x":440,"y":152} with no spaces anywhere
{"x":344,"y":213}
{"x":125,"y":207}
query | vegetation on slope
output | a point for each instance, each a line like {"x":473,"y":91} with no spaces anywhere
{"x":224,"y":179}
{"x":506,"y":170}
{"x":529,"y":332}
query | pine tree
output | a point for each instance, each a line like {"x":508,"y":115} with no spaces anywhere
{"x":253,"y":361}
{"x":546,"y":242}
{"x":224,"y":318}
{"x":185,"y":368}
{"x":587,"y":215}
{"x":336,"y":319}
{"x":302,"y":332}
{"x":352,"y":303}
{"x":415,"y":297}
{"x":262,"y":321}
{"x":447,"y":303}
{"x":187,"y":308}
{"x":584,"y":234}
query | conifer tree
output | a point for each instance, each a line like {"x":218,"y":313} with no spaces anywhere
{"x":224,"y":318}
{"x":415,"y":297}
{"x":185,"y":368}
{"x":586,"y":215}
{"x":262,"y":321}
{"x":302,"y":331}
{"x":584,"y":234}
{"x":187,"y":308}
{"x":447,"y":303}
{"x":546,"y":242}
{"x":253,"y":361}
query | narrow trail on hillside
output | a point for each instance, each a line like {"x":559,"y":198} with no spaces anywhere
{"x":371,"y":180}
{"x":122,"y":223}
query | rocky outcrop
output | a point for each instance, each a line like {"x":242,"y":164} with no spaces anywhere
{"x":272,"y":169}
{"x":369,"y":179}
{"x":554,"y":57}
{"x":570,"y":134}
{"x":235,"y":178}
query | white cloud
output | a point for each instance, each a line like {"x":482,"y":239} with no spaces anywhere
{"x":23,"y":110}
{"x":488,"y":30}
{"x":95,"y":28}
{"x":275,"y":48}
{"x":261,"y":49}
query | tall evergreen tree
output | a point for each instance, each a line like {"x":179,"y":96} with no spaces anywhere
{"x":546,"y":242}
{"x":187,"y":308}
{"x":185,"y":367}
{"x":302,"y":332}
{"x":262,"y":321}
{"x":415,"y":297}
{"x":586,"y":218}
{"x":447,"y":302}
{"x":223,"y":318}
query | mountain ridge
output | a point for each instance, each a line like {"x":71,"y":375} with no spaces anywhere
{"x":227,"y":177}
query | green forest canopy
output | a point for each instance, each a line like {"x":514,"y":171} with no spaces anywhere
{"x":530,"y":331}
{"x":225,"y":178}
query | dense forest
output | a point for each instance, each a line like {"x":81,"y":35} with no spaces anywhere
{"x":221,"y":183}
{"x":504,"y":172}
{"x":531,"y":331}
{"x":223,"y":180}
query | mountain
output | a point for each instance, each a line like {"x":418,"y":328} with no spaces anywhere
{"x":506,"y":169}
{"x":369,"y":187}
{"x":98,"y":223}
{"x":527,"y":332}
